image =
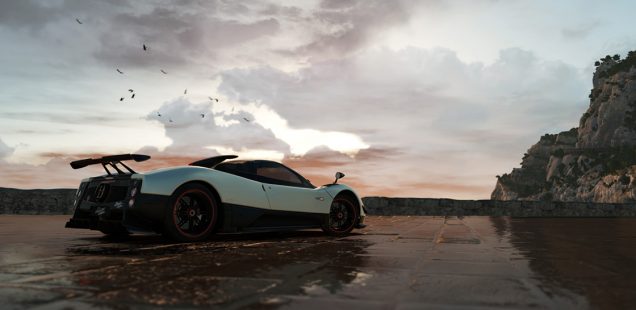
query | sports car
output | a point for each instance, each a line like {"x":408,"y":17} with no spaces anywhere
{"x":216,"y":194}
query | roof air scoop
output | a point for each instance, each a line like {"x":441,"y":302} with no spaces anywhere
{"x":212,"y":161}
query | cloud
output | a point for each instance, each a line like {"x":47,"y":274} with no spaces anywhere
{"x":342,"y":27}
{"x":443,"y":115}
{"x":192,"y":134}
{"x":55,"y":173}
{"x":27,"y":14}
{"x":178,"y":36}
{"x":5,"y":150}
{"x":318,"y":81}
{"x":35,"y":15}
{"x":580,"y":31}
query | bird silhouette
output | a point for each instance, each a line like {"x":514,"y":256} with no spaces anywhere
{"x":247,"y":120}
{"x":132,"y":97}
{"x":185,"y":91}
{"x":170,"y":120}
{"x":158,"y":114}
{"x":202,"y":115}
{"x":232,"y":109}
{"x":120,"y":72}
{"x":145,"y":47}
{"x":78,"y":21}
{"x":213,"y":99}
{"x":121,"y":99}
{"x":130,"y":90}
{"x":164,"y":72}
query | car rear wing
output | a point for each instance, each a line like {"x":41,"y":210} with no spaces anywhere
{"x":112,"y":160}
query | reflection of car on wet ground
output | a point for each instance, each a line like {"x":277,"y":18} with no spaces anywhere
{"x":189,"y":203}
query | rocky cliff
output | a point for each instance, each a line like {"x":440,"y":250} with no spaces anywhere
{"x":595,"y":162}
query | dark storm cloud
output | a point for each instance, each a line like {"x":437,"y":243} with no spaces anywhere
{"x":27,"y":13}
{"x":34,"y":15}
{"x":337,"y":4}
{"x":349,"y":25}
{"x":176,"y":31}
{"x":278,"y":10}
{"x":175,"y":36}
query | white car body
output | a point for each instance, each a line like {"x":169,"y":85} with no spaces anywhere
{"x":245,"y":192}
{"x":254,"y":200}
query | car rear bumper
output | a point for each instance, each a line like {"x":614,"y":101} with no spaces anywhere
{"x":144,"y":214}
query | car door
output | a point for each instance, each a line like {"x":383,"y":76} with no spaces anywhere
{"x":241,"y":187}
{"x":286,"y":191}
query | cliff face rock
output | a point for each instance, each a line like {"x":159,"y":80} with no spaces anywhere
{"x":595,"y":162}
{"x":609,"y":121}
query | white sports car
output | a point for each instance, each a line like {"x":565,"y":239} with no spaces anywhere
{"x":189,"y":203}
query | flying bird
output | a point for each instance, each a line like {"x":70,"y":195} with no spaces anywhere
{"x":158,"y":114}
{"x":247,"y":120}
{"x":78,"y":21}
{"x":202,"y":115}
{"x":145,"y":47}
{"x":130,"y":90}
{"x":232,"y":109}
{"x":121,"y":99}
{"x":185,"y":91}
{"x":164,"y":72}
{"x":213,"y":99}
{"x":119,"y":71}
{"x":170,"y":120}
{"x":132,"y":97}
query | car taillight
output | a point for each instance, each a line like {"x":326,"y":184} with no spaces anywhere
{"x":79,"y":192}
{"x":136,"y":187}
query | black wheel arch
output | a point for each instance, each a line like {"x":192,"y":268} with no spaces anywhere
{"x":352,"y":195}
{"x":355,"y":200}
{"x":221,"y":217}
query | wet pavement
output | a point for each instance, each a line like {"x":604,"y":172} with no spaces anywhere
{"x":396,"y":263}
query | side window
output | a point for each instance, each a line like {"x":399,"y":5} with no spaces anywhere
{"x":278,"y":173}
{"x":243,"y":169}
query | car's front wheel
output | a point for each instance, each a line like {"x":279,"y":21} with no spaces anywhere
{"x":192,"y":214}
{"x":343,"y":215}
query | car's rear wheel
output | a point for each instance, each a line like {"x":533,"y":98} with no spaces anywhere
{"x":192,"y":214}
{"x":343,"y":215}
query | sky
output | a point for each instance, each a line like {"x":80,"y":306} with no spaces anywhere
{"x":407,"y":98}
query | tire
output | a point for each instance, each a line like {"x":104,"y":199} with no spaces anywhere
{"x":343,"y":215}
{"x":192,"y":214}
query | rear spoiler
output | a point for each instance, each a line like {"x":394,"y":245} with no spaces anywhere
{"x":112,"y":160}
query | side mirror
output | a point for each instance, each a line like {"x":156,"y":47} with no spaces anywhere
{"x":339,"y":175}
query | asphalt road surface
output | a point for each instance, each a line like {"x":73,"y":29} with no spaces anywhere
{"x":396,"y":263}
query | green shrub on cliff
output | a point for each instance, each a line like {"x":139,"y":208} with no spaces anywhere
{"x":618,"y":64}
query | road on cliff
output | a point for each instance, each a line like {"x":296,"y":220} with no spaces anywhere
{"x":398,"y":262}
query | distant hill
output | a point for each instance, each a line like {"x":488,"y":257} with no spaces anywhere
{"x":594,"y":162}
